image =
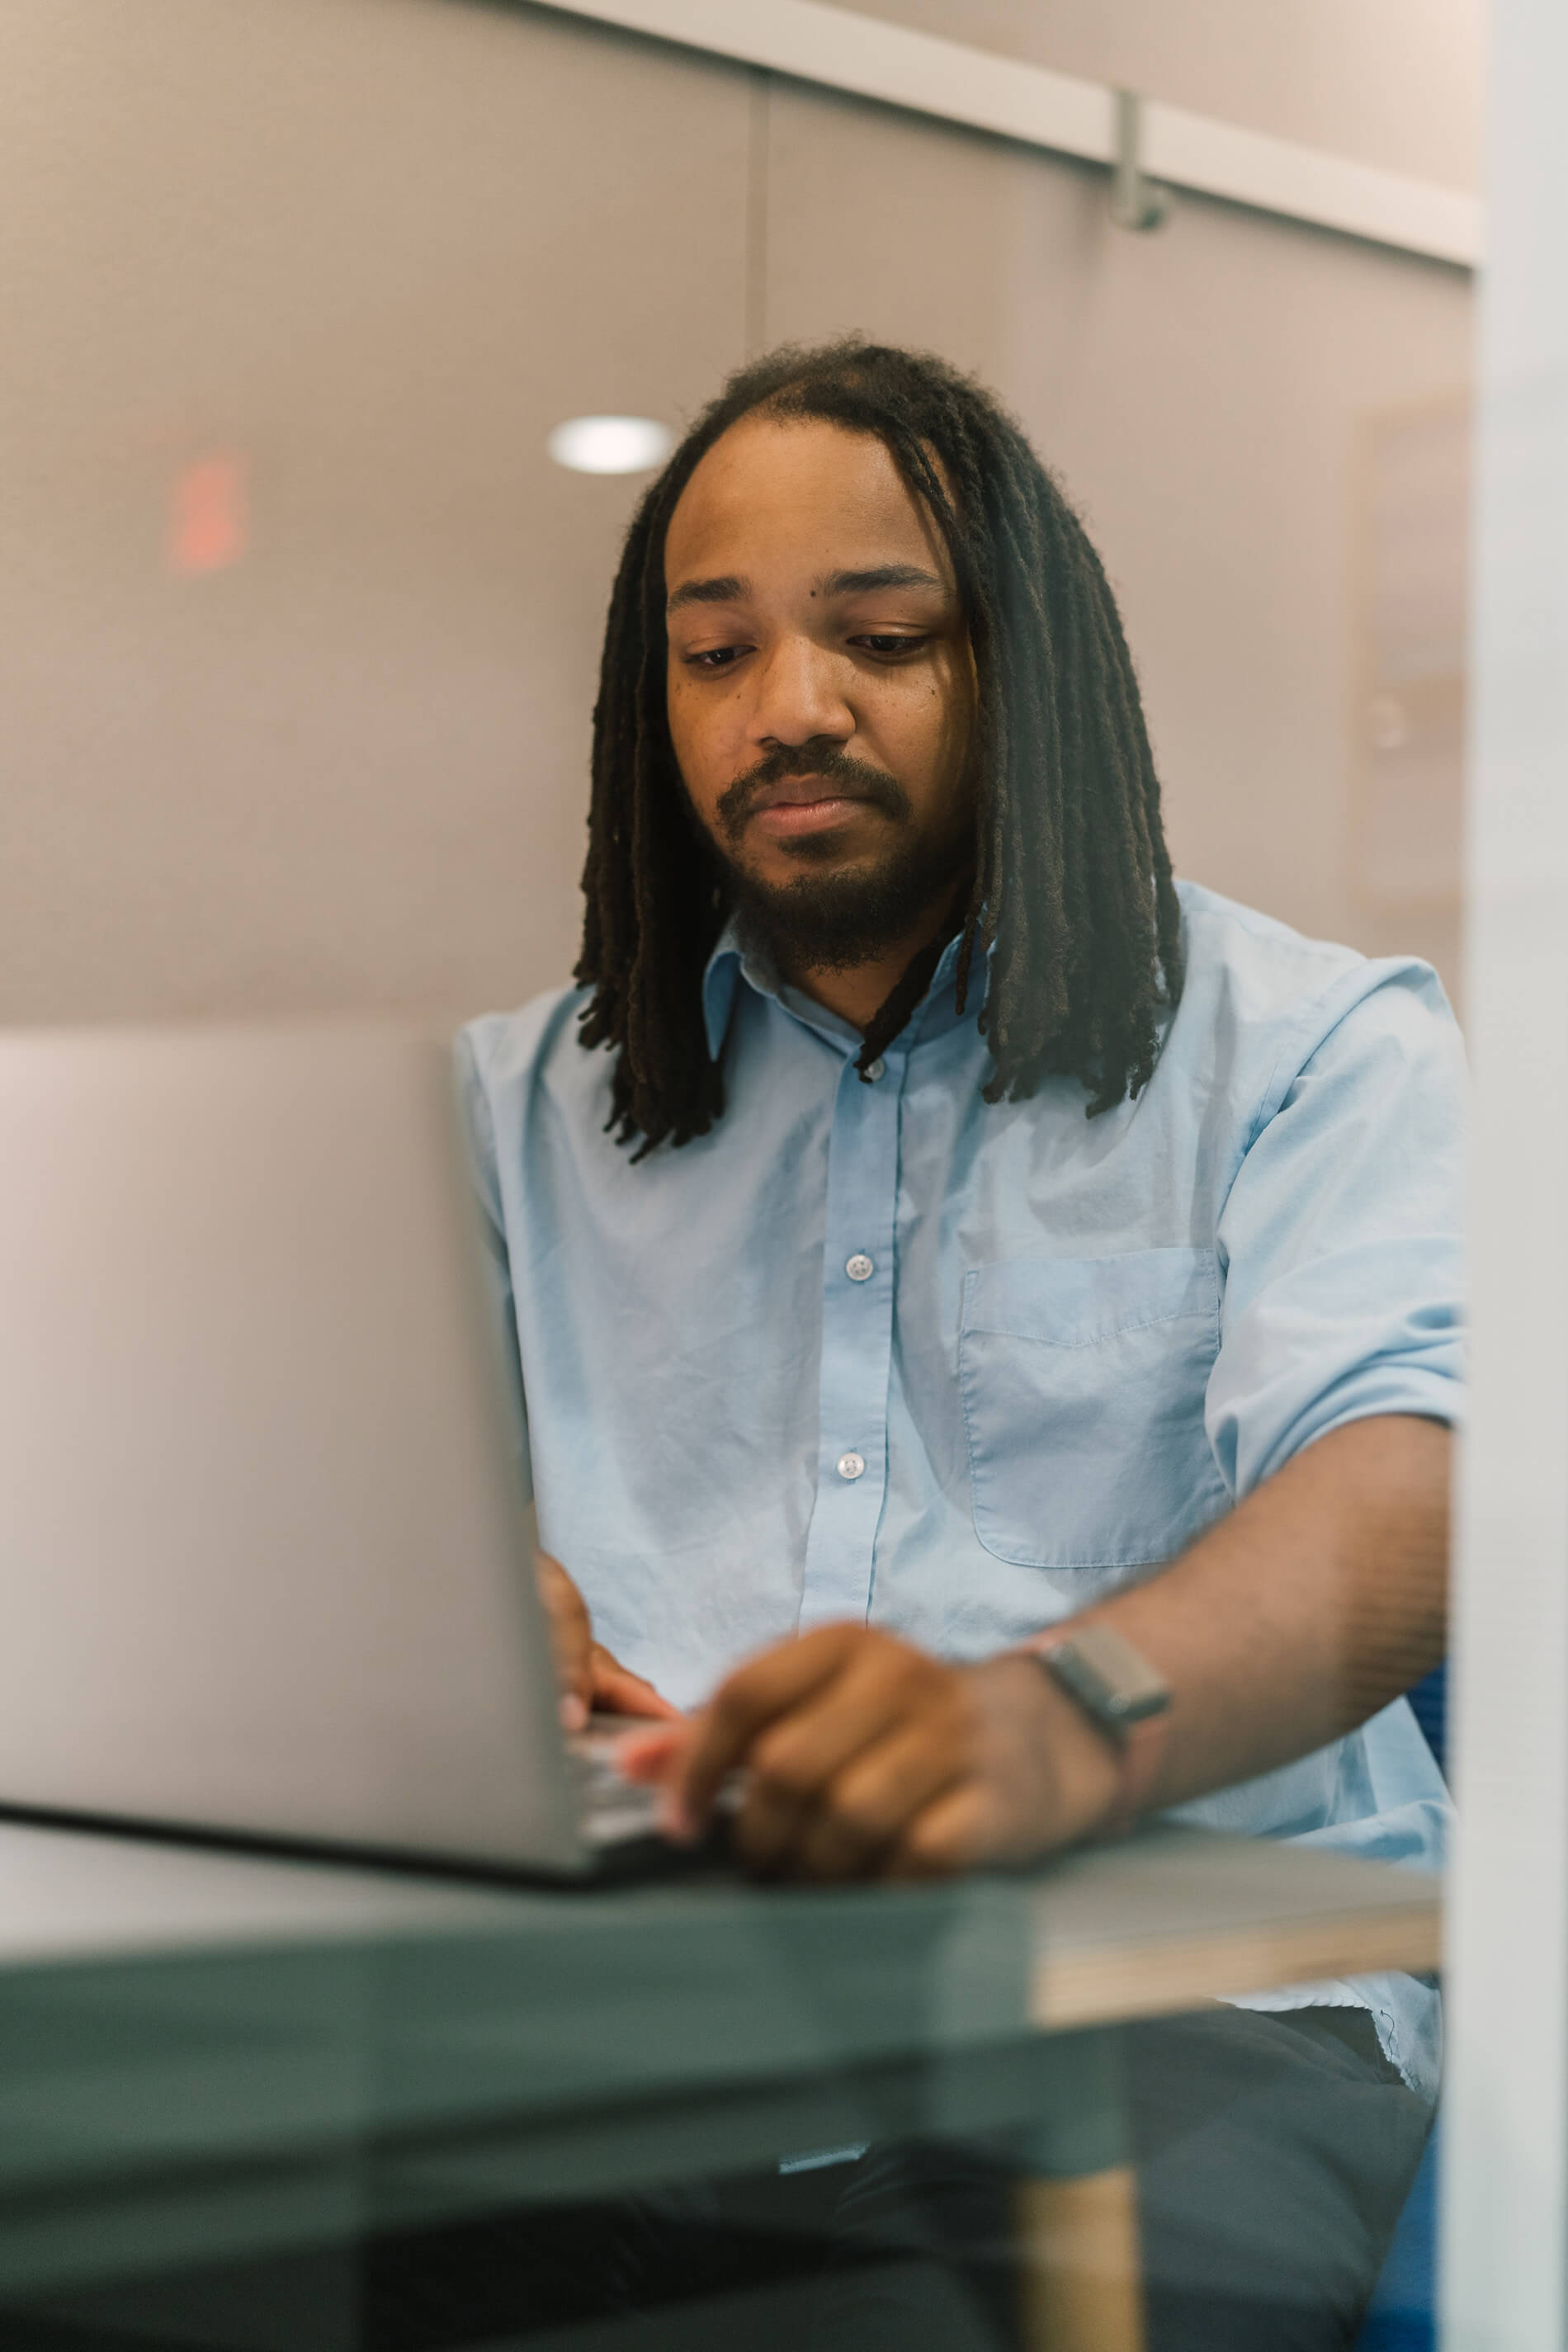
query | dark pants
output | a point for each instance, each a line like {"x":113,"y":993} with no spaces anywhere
{"x":1274,"y":2154}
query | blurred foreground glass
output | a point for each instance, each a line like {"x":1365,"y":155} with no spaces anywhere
{"x":300,"y":623}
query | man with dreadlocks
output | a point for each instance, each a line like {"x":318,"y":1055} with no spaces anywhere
{"x":986,"y":1316}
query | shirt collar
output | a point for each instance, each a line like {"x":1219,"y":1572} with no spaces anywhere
{"x":730,"y":962}
{"x":719,"y":978}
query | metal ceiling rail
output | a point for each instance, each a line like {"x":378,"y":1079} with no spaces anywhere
{"x":839,"y":49}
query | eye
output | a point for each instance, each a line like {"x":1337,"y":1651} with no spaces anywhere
{"x":890,"y":648}
{"x":712,"y":657}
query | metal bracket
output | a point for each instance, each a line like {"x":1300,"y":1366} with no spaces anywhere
{"x":1136,"y":202}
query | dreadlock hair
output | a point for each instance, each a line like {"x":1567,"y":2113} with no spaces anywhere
{"x":1071,"y":895}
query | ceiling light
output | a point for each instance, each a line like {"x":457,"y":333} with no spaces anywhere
{"x":610,"y":444}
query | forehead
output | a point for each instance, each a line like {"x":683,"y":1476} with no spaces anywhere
{"x":782,"y":499}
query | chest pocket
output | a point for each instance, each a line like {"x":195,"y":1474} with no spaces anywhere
{"x":1083,"y":1381}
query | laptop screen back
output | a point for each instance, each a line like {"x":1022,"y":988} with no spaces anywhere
{"x":266,"y":1563}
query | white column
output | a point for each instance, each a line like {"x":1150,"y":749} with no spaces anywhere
{"x":1505,"y":2191}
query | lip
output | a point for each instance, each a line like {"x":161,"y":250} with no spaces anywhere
{"x":792,"y":791}
{"x":804,"y":805}
{"x":784,"y":817}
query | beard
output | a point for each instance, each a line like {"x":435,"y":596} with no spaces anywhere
{"x":832,"y":918}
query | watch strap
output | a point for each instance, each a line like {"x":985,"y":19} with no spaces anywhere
{"x":1142,"y":1751}
{"x":1127,"y":1701}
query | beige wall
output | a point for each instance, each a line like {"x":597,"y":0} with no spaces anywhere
{"x":379,"y":246}
{"x":1200,"y":391}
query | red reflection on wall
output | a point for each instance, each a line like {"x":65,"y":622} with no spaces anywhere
{"x":209,"y":515}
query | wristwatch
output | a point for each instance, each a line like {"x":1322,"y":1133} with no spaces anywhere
{"x":1125,"y":1698}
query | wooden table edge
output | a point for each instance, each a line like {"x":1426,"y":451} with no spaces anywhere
{"x":1150,"y":1976}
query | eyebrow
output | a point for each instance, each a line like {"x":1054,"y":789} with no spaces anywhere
{"x":726,"y":589}
{"x":729,"y":588}
{"x":881,"y":575}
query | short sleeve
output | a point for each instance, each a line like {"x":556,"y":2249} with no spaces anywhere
{"x":1340,"y":1236}
{"x":479,"y":1128}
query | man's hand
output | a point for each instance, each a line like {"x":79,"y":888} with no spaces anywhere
{"x":590,"y":1675}
{"x":867,"y":1759}
{"x":1305,"y":1610}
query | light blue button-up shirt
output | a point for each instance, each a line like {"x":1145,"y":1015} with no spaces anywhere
{"x":879,"y":1349}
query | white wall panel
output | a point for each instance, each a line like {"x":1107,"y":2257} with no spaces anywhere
{"x":957,"y":81}
{"x":1397,"y":84}
{"x":1506,"y":2126}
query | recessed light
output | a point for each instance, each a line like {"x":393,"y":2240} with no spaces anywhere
{"x":610,"y":444}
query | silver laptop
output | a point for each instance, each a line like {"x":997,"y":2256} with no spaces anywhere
{"x":265,"y":1569}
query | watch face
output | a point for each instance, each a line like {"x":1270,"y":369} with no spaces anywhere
{"x":1107,"y":1675}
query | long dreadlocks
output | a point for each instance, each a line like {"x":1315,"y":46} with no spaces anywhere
{"x":1072,"y":896}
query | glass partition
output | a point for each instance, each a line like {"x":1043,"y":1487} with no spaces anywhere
{"x":949,"y":880}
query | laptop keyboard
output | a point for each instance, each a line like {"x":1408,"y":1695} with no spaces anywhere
{"x":609,"y":1809}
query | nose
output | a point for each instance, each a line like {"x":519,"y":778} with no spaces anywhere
{"x":800,"y":696}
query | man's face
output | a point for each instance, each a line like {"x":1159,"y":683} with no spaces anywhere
{"x":819,"y":687}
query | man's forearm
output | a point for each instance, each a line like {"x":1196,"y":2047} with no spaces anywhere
{"x":1318,"y":1600}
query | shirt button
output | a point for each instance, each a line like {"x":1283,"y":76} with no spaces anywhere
{"x":850,"y":1465}
{"x":874,"y":1070}
{"x":859,"y":1268}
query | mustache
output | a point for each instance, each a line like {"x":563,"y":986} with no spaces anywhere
{"x":854,"y":778}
